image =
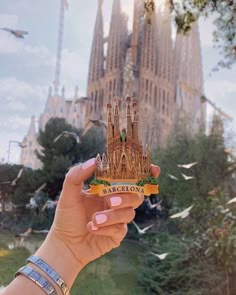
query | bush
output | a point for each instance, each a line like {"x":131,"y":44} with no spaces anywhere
{"x":100,"y":181}
{"x":147,"y":180}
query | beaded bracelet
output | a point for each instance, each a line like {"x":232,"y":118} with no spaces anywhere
{"x":37,"y":278}
{"x":50,"y":272}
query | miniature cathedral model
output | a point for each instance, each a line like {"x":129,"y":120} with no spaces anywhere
{"x":126,"y":161}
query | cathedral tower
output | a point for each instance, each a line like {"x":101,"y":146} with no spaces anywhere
{"x":189,"y":79}
{"x":95,"y":89}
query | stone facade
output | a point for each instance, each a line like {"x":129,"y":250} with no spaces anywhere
{"x":72,"y":110}
{"x":162,"y":74}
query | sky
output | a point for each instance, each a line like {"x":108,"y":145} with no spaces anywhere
{"x":27,"y":66}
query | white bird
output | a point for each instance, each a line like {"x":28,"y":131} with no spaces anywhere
{"x":14,"y":181}
{"x":187,"y":166}
{"x":183,"y":214}
{"x":82,"y":99}
{"x":49,"y":205}
{"x":232,"y":201}
{"x":153,"y":206}
{"x":160,"y":256}
{"x":67,"y":134}
{"x":172,"y":177}
{"x":32,"y":204}
{"x":96,"y":122}
{"x":11,"y":246}
{"x":142,"y":231}
{"x":187,"y":177}
{"x":38,"y":190}
{"x":17,"y":33}
{"x":43,"y":231}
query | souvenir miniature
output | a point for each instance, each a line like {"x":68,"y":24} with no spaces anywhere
{"x":126,"y":166}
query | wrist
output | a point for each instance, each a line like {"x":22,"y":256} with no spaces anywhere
{"x":55,"y":253}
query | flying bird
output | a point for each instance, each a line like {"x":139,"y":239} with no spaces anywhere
{"x":32,"y":204}
{"x":17,"y":33}
{"x":153,"y":206}
{"x":160,"y":256}
{"x":49,"y":205}
{"x":67,"y":134}
{"x":38,"y":190}
{"x":183,"y":214}
{"x":172,"y":177}
{"x":232,"y":201}
{"x":142,"y":231}
{"x":187,"y":166}
{"x":43,"y":231}
{"x":82,"y":99}
{"x":14,"y":181}
{"x":94,"y":122}
{"x":214,"y":191}
{"x":187,"y":177}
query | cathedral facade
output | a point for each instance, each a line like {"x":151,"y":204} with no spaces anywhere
{"x":163,"y":74}
{"x":125,"y":159}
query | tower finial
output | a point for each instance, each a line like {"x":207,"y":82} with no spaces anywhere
{"x":100,"y":2}
{"x":76,"y":91}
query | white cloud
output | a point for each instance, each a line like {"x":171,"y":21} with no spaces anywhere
{"x":42,"y":53}
{"x":206,"y":29}
{"x":8,"y":20}
{"x":219,"y":89}
{"x":13,"y":90}
{"x":222,"y":93}
{"x":74,"y":69}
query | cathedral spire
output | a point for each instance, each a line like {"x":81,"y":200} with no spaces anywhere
{"x":31,"y":131}
{"x":96,"y":67}
{"x":189,"y":77}
{"x":137,"y":29}
{"x":165,"y":52}
{"x":114,"y":50}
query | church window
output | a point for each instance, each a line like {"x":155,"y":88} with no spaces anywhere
{"x":114,"y":84}
{"x":110,"y":85}
{"x":155,"y":97}
{"x":96,"y":97}
{"x":146,"y":84}
{"x":163,"y":103}
{"x":123,"y":164}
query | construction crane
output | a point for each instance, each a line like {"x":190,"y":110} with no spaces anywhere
{"x":204,"y":99}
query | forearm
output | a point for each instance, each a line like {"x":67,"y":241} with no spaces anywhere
{"x":54,"y":252}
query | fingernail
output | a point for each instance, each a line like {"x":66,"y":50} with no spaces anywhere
{"x":115,"y":201}
{"x":101,"y":218}
{"x":88,"y":164}
{"x":94,"y":227}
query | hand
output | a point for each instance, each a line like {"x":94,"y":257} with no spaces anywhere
{"x":89,"y":225}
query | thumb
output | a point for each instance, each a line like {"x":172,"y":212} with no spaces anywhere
{"x":72,"y":186}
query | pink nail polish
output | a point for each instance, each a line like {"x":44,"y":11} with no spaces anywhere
{"x":88,"y":164}
{"x":100,"y":218}
{"x":94,"y":227}
{"x":115,"y":201}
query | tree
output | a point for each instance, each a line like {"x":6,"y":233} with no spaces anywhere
{"x":201,"y":246}
{"x":188,"y":11}
{"x":57,"y":157}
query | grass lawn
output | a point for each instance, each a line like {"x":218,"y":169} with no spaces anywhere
{"x":113,"y":274}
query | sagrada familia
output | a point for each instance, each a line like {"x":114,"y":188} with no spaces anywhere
{"x":162,"y":73}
